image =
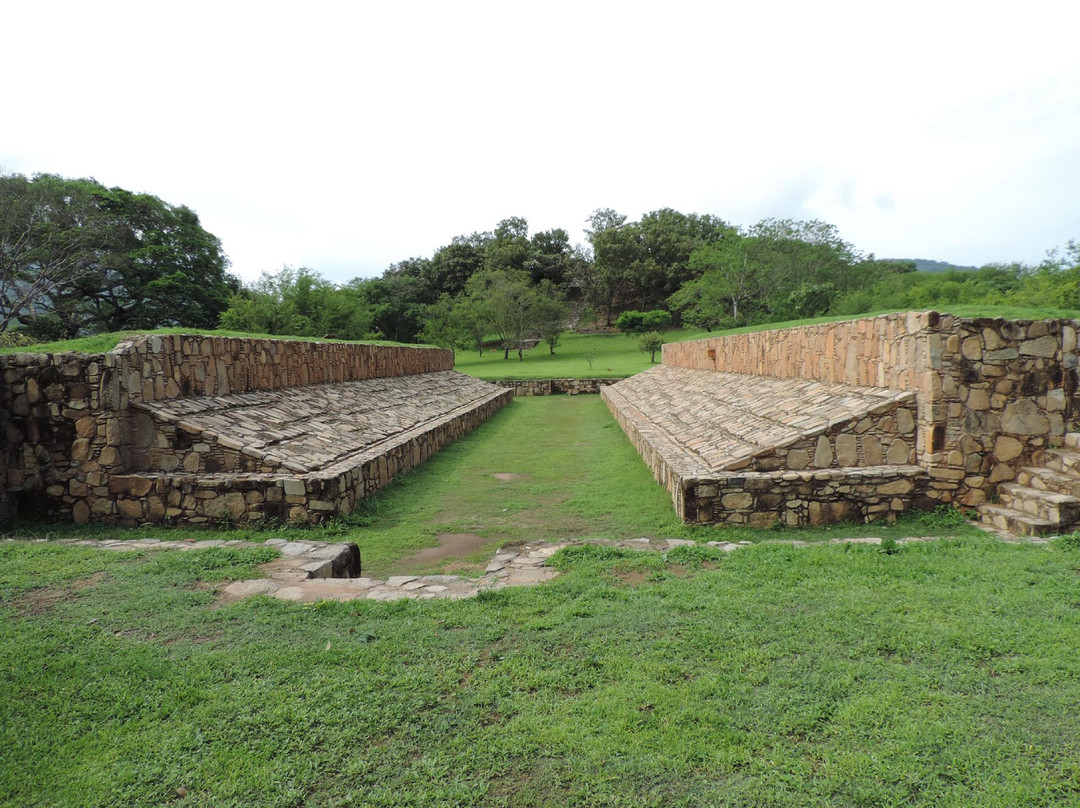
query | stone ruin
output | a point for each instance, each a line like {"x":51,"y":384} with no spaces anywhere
{"x":864,"y":420}
{"x":856,"y":420}
{"x":197,"y":429}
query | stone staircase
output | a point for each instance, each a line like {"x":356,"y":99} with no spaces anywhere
{"x":1044,"y":500}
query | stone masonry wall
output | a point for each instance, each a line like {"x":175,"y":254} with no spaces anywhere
{"x":548,"y":387}
{"x":857,"y":469}
{"x":992,"y":394}
{"x":67,"y":420}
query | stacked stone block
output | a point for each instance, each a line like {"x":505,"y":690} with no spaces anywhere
{"x":992,"y":396}
{"x":549,"y":387}
{"x":125,"y":437}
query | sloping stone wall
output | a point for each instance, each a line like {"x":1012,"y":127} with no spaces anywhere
{"x":992,"y":394}
{"x":74,"y":428}
{"x":755,"y":450}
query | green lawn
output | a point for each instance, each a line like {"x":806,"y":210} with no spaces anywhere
{"x":943,"y":675}
{"x":614,"y":356}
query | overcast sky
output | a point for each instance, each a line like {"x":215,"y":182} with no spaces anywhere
{"x":347,"y":136}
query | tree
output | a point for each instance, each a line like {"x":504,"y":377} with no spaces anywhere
{"x":552,"y":258}
{"x":509,"y":304}
{"x":442,"y":324}
{"x":108,"y":259}
{"x":551,"y":314}
{"x":613,"y":255}
{"x":396,"y":301}
{"x":651,"y":342}
{"x":52,"y":232}
{"x":638,"y":322}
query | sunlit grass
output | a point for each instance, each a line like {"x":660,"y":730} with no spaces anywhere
{"x":943,"y":675}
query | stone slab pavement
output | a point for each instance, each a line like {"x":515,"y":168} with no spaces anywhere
{"x":713,"y":419}
{"x":315,"y":427}
{"x":310,"y":571}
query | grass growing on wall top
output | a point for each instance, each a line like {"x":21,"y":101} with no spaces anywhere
{"x":617,"y":355}
{"x":102,"y":343}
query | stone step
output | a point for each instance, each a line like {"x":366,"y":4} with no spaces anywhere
{"x":1064,"y":461}
{"x":1015,"y":522}
{"x":1046,"y":479}
{"x":1072,"y":440}
{"x":1061,"y":509}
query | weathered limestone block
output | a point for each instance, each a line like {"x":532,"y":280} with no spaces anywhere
{"x":905,"y":421}
{"x":129,"y":485}
{"x":847,"y":450}
{"x":823,"y":454}
{"x":1043,"y":346}
{"x":1007,"y":448}
{"x":899,"y":453}
{"x":1024,"y":417}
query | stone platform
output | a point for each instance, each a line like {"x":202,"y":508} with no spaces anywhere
{"x":301,"y":454}
{"x":744,"y":449}
{"x":306,"y":429}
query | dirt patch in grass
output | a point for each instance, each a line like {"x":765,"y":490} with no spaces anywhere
{"x":37,"y":602}
{"x":632,"y":577}
{"x":451,"y":545}
{"x":509,"y":476}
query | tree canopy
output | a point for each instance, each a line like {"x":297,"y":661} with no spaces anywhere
{"x":90,"y":258}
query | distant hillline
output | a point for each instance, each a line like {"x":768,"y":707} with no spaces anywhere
{"x":926,"y":265}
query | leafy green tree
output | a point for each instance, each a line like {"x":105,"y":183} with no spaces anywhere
{"x":510,"y":248}
{"x":614,"y":252}
{"x":473,"y":317}
{"x":450,"y":268}
{"x":443,"y":325}
{"x":638,"y":322}
{"x":158,"y":267}
{"x":551,"y":258}
{"x":651,"y":342}
{"x":551,"y":314}
{"x":396,"y":301}
{"x":509,"y":304}
{"x":52,"y":232}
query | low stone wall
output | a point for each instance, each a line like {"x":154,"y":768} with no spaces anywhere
{"x":858,"y":469}
{"x":71,"y":424}
{"x":548,"y":387}
{"x":806,"y":497}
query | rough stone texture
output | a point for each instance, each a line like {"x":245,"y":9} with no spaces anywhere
{"x":193,"y":429}
{"x":992,"y":395}
{"x":548,"y":387}
{"x":316,"y":571}
{"x":714,"y":421}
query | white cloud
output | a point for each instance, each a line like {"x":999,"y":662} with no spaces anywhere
{"x":346,"y":137}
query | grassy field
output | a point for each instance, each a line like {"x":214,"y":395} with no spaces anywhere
{"x":943,"y":675}
{"x":543,"y":468}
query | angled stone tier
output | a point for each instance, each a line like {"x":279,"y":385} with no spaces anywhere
{"x":300,"y":454}
{"x":307,"y":429}
{"x":744,"y":449}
